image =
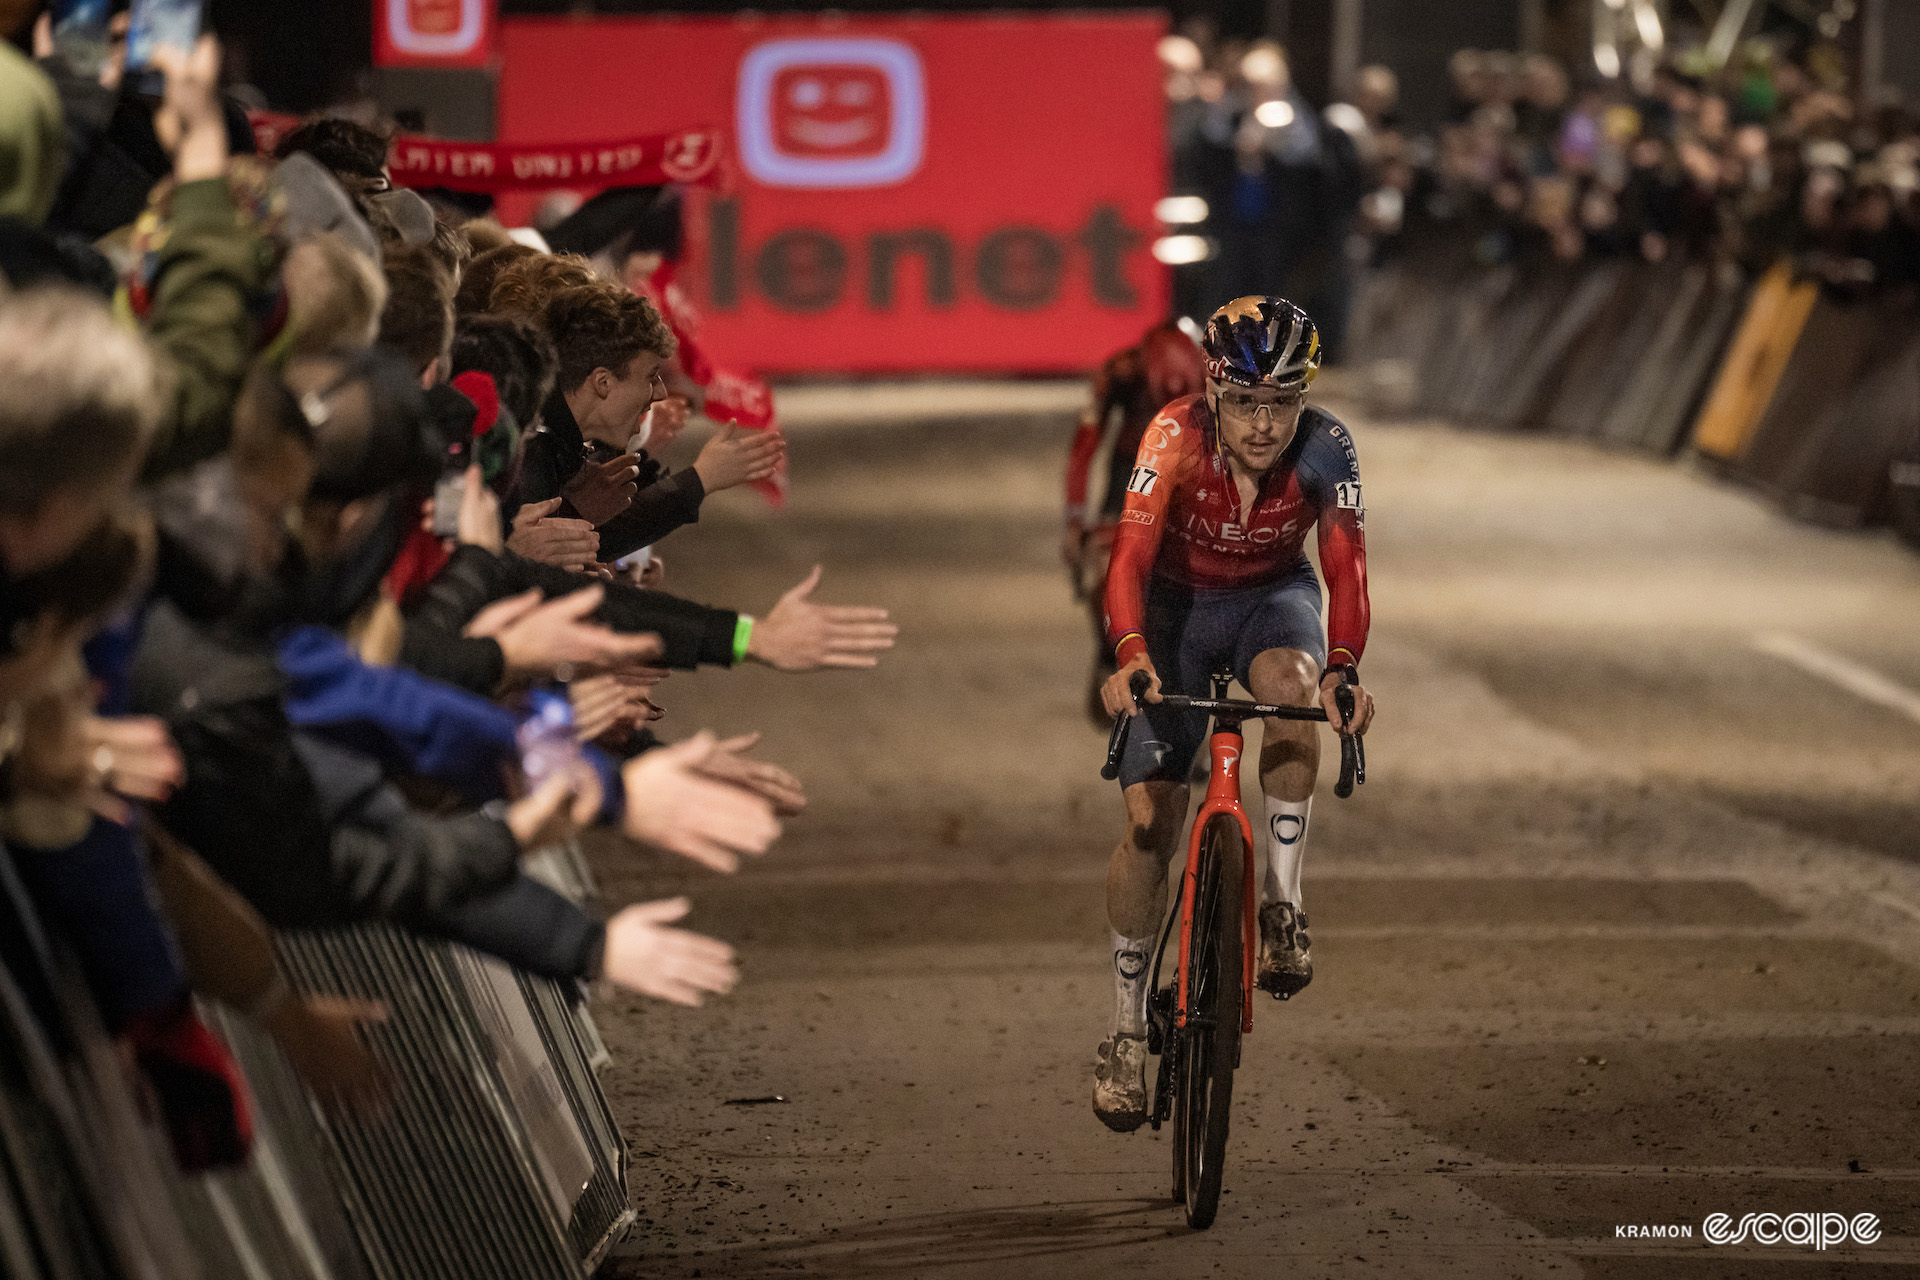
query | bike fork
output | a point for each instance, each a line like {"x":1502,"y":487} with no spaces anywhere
{"x":1223,"y":796}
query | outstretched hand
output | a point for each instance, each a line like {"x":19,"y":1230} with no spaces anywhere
{"x":644,"y":954}
{"x":599,"y":491}
{"x":614,"y":702}
{"x":540,"y":535}
{"x":799,"y":635}
{"x":729,"y":763}
{"x":538,"y":638}
{"x":673,"y":803}
{"x":736,"y":456}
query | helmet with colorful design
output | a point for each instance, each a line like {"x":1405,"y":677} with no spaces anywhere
{"x":1256,"y":341}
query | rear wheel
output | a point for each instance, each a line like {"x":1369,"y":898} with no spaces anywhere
{"x":1210,"y":1043}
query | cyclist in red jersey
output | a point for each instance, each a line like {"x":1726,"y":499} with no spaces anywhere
{"x":1129,"y":389}
{"x":1209,"y":572}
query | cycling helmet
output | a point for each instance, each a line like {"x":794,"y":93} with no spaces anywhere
{"x":1256,"y":341}
{"x":1172,"y":362}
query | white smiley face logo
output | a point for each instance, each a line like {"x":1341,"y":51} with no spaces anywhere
{"x":831,"y":113}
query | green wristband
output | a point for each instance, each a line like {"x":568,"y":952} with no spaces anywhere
{"x":742,"y":634}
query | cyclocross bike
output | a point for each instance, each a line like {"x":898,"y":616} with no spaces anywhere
{"x":1195,"y":1023}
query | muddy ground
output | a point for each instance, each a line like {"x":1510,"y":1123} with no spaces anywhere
{"x":1623,"y":931}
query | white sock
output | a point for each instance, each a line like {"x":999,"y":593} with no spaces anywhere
{"x":1132,"y":969}
{"x":1286,"y":845}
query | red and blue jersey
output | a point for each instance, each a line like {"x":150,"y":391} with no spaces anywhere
{"x":1183,"y":522}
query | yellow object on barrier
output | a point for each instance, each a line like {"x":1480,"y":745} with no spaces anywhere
{"x":1755,"y":360}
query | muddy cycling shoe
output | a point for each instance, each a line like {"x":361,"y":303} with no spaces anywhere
{"x":1286,"y":961}
{"x":1120,"y":1083}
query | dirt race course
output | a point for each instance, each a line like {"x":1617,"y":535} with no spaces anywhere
{"x":1624,"y":930}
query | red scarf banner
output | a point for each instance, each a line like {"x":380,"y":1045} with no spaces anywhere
{"x":689,"y":156}
{"x":730,"y":396}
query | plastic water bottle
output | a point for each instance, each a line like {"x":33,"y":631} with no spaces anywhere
{"x":546,"y":739}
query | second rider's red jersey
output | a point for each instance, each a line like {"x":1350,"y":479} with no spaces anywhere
{"x":1183,"y":522}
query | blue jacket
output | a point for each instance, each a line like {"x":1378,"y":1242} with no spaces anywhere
{"x":410,"y":722}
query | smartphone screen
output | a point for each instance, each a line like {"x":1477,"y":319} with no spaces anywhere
{"x":152,"y":23}
{"x":447,"y":495}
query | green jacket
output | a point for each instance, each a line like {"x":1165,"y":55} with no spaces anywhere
{"x":210,"y":269}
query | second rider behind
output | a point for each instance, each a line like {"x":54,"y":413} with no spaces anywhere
{"x":1209,"y":572}
{"x":1129,"y":390}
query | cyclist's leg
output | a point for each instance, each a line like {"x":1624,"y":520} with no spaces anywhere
{"x":1283,"y":651}
{"x":1289,"y":763}
{"x":1153,"y":780}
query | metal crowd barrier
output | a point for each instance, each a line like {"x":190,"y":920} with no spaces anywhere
{"x":1620,"y":352}
{"x":499,"y":1157}
{"x":1812,"y":396}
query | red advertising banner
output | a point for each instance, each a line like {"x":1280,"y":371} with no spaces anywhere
{"x":433,"y":33}
{"x":907,"y":193}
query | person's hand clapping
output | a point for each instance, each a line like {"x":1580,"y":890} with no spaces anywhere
{"x":538,"y":638}
{"x":729,"y":763}
{"x":540,"y":535}
{"x":665,"y":421}
{"x":799,"y":635}
{"x":735,"y":456}
{"x":673,"y":804}
{"x":599,"y":491}
{"x":644,"y":954}
{"x":613,"y":702}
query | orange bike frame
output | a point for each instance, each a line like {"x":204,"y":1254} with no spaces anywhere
{"x":1224,"y":747}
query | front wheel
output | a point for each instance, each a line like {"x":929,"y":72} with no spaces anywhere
{"x":1210,"y":1042}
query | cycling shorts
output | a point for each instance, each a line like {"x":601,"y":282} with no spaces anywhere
{"x":1193,"y":632}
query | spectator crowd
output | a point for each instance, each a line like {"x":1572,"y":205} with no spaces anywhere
{"x":1767,"y":157}
{"x":326,"y":529}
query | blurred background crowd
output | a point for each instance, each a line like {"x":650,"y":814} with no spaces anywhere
{"x":1769,"y":155}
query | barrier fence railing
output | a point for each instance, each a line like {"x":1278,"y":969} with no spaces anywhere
{"x":498,"y":1156}
{"x":1809,"y":393}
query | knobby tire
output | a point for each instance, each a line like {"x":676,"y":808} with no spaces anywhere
{"x":1203,"y":1101}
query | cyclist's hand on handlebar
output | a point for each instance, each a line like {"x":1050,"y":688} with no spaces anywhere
{"x":1073,"y":543}
{"x":1118,"y":697}
{"x":1362,"y":705}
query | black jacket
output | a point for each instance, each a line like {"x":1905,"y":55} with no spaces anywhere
{"x":315,"y":835}
{"x":553,"y":456}
{"x":694,"y":634}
